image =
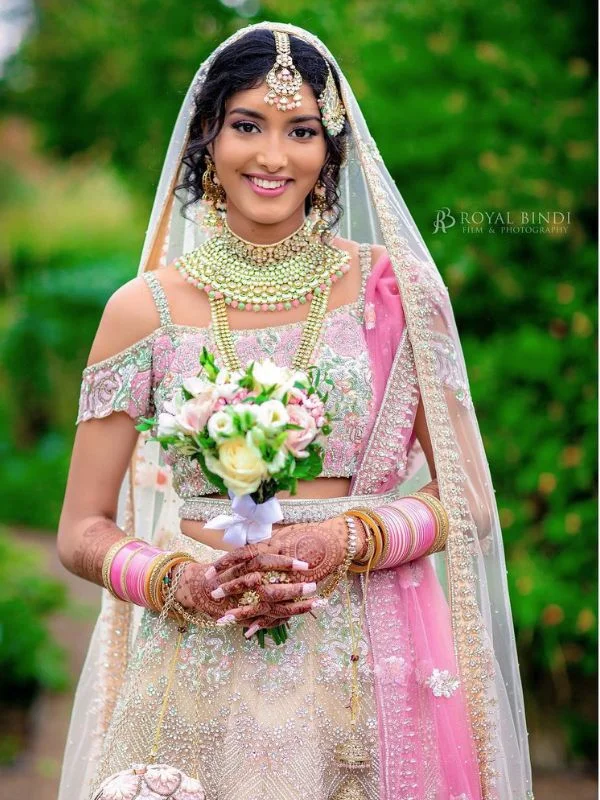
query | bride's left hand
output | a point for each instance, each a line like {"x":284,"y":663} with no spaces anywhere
{"x":321,"y":545}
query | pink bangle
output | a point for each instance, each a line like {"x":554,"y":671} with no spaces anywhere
{"x":136,"y":573}
{"x":118,"y":562}
{"x":411,"y":528}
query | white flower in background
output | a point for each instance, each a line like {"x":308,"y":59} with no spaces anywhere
{"x":220,"y":426}
{"x":173,"y":406}
{"x":272,"y":416}
{"x":266,"y":372}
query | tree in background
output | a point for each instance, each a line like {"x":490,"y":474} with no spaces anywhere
{"x":475,"y":109}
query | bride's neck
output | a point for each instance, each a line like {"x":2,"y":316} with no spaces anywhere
{"x":258,"y":233}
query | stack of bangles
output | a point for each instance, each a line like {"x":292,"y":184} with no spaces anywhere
{"x":410,"y":528}
{"x":137,"y":572}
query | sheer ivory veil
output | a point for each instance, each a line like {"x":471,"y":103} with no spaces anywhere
{"x":472,"y":570}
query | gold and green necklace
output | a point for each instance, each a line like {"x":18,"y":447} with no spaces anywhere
{"x":265,"y":277}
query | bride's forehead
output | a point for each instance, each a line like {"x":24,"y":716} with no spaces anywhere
{"x":254,"y":99}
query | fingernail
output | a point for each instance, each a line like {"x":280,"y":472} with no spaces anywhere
{"x":252,"y":630}
{"x":210,"y":573}
{"x":318,"y":602}
{"x":217,"y":593}
{"x":300,"y":564}
{"x":308,"y":588}
{"x":227,"y":619}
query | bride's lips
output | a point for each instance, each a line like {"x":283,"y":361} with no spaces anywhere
{"x":277,"y":187}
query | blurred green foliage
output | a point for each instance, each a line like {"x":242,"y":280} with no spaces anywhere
{"x":474,"y":108}
{"x":29,"y":658}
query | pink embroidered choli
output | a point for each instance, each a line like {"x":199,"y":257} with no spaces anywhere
{"x":141,"y":378}
{"x":413,"y":709}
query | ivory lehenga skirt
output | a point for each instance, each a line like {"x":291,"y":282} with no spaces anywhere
{"x":249,"y":723}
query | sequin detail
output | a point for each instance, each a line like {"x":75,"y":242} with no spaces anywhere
{"x":442,"y":683}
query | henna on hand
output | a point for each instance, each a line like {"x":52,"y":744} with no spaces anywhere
{"x":95,"y":542}
{"x":322,"y":545}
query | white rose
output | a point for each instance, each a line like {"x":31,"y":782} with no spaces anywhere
{"x":220,"y":426}
{"x":267,"y":373}
{"x":241,"y":467}
{"x":272,"y":416}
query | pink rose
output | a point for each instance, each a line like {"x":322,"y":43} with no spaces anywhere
{"x":298,"y":440}
{"x":194,"y":414}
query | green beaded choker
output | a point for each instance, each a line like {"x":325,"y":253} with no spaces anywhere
{"x":264,"y":277}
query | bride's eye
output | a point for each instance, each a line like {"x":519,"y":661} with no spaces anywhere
{"x":244,"y":126}
{"x":304,"y":133}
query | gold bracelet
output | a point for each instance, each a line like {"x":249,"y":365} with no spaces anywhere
{"x":370,"y":551}
{"x":160,"y":590}
{"x":151,"y":584}
{"x":439,"y":512}
{"x":351,"y":544}
{"x":365,"y":517}
{"x":108,"y":561}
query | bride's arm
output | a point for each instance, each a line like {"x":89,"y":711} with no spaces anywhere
{"x":103,"y":446}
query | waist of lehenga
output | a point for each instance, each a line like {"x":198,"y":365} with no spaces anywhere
{"x":294,"y":510}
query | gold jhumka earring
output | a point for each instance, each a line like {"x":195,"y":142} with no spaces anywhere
{"x":214,"y":196}
{"x":333,"y":113}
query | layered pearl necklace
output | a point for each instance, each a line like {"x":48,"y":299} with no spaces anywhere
{"x":265,"y":277}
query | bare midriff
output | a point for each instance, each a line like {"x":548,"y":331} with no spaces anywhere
{"x":307,"y":490}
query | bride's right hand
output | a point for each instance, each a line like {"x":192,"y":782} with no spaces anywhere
{"x":277,"y":600}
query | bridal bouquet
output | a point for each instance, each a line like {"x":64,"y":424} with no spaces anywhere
{"x":254,"y":432}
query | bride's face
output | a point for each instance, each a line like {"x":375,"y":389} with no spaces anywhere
{"x":267,"y":160}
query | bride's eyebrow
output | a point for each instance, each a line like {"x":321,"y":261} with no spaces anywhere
{"x":248,"y":112}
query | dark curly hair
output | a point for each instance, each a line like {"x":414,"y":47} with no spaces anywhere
{"x":244,"y":65}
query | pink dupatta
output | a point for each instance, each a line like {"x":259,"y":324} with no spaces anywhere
{"x":425,"y":739}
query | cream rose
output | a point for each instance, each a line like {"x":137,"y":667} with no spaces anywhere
{"x":241,"y":467}
{"x":267,"y":373}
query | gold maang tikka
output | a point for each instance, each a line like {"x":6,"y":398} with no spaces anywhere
{"x":284,"y":82}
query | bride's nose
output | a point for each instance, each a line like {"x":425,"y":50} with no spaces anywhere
{"x":272,"y":159}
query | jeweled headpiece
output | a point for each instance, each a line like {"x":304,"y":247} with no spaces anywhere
{"x":333,"y":113}
{"x":284,"y":80}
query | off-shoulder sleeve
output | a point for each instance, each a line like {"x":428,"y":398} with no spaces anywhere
{"x":122,"y":382}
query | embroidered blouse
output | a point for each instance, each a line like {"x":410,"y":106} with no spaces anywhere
{"x":140,"y":378}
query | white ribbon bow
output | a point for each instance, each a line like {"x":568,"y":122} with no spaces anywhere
{"x":250,"y":522}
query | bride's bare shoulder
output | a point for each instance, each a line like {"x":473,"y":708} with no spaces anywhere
{"x":129,"y":316}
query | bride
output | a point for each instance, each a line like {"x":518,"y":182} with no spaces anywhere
{"x":396,"y":674}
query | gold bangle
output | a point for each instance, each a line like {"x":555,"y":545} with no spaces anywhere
{"x":370,"y":551}
{"x":362,"y":515}
{"x":439,"y":512}
{"x":108,"y":561}
{"x":384,"y":535}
